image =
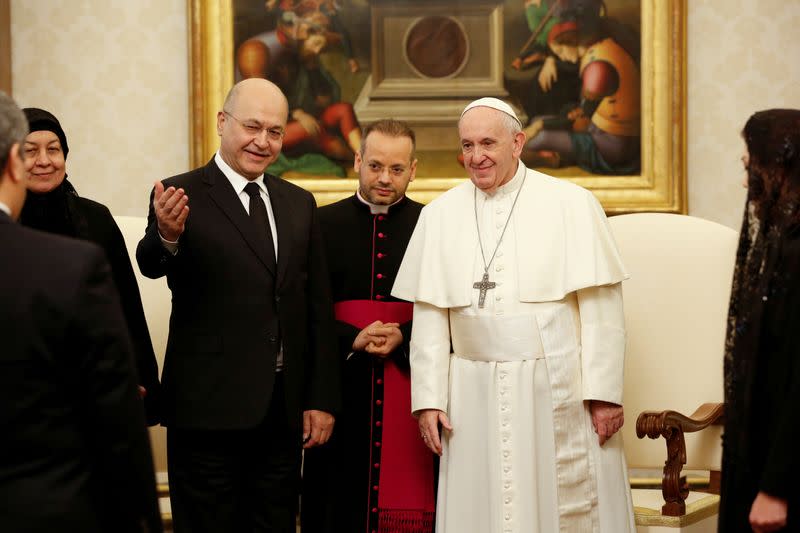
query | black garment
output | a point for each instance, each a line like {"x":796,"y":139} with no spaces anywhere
{"x":353,"y":237}
{"x":220,"y":459}
{"x":340,"y":479}
{"x":762,"y":346}
{"x":63,"y":212}
{"x":74,"y":452}
{"x":762,"y":429}
{"x":232,"y":309}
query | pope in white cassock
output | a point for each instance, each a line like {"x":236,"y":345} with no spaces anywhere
{"x":519,"y":273}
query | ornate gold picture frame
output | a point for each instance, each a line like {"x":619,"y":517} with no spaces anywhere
{"x":660,"y":184}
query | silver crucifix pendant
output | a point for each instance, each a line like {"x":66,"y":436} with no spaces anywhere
{"x":483,"y":285}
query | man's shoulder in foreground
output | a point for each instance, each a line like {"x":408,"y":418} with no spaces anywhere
{"x":47,"y":248}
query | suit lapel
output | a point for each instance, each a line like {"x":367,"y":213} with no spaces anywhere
{"x":222,"y":193}
{"x":283,"y":223}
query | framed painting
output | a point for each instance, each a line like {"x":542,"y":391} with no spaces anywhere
{"x":599,"y":85}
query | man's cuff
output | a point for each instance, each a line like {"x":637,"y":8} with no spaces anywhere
{"x":171,"y":246}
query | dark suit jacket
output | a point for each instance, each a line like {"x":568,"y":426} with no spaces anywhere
{"x":231,"y":311}
{"x":74,"y":455}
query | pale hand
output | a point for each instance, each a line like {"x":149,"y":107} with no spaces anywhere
{"x":607,"y":419}
{"x":353,"y":64}
{"x":378,"y":338}
{"x":308,"y":122}
{"x":171,"y":207}
{"x":317,"y":427}
{"x":429,"y":420}
{"x":768,"y":513}
{"x":548,"y":74}
{"x":391,"y":337}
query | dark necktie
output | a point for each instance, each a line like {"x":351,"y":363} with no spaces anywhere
{"x":260,"y":219}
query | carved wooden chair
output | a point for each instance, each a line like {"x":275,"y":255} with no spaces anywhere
{"x":676,"y":303}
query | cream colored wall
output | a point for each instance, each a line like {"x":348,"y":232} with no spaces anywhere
{"x":742,"y":58}
{"x":115,"y":73}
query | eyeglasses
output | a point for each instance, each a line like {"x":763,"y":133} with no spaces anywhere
{"x":251,"y":127}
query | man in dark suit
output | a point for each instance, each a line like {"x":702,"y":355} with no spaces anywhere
{"x":250,"y":372}
{"x":74,"y":456}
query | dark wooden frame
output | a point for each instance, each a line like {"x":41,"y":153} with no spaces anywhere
{"x":672,"y":425}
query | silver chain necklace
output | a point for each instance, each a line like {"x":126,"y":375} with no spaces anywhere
{"x":484,"y":284}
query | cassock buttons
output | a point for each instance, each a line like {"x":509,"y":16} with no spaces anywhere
{"x":381,"y":235}
{"x":381,"y":217}
{"x":374,"y":487}
{"x":378,"y":402}
{"x":379,"y":276}
{"x":378,"y":423}
{"x":379,"y":296}
{"x":379,"y":381}
{"x":378,"y":444}
{"x":381,"y":255}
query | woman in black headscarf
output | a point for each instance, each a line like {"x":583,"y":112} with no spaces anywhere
{"x":760,"y":463}
{"x":54,"y":206}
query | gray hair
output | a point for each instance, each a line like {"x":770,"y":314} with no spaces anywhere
{"x":511,"y":124}
{"x":13,"y":127}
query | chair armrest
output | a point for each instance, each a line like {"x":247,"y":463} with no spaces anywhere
{"x":672,"y":425}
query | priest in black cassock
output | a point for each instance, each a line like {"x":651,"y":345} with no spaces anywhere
{"x":375,"y":474}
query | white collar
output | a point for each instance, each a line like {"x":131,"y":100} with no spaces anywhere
{"x":377,"y":209}
{"x":510,"y":186}
{"x":238,"y":182}
{"x":5,"y":209}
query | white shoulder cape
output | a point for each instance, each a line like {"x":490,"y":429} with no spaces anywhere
{"x":562,"y":238}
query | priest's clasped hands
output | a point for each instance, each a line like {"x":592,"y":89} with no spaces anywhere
{"x":379,"y":338}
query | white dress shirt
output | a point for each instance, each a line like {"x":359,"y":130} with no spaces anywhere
{"x":238,"y":182}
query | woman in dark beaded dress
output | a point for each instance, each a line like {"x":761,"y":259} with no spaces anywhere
{"x":760,"y":465}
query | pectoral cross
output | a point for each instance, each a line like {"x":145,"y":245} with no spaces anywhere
{"x":483,"y":285}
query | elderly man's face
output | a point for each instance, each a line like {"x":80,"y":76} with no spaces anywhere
{"x":491,"y":151}
{"x":251,"y":130}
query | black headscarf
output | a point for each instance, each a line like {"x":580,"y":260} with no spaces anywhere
{"x":772,"y":215}
{"x":52,"y":211}
{"x":41,"y":120}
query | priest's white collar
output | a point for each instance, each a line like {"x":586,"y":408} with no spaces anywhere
{"x":5,"y":209}
{"x":510,"y":186}
{"x":377,"y":209}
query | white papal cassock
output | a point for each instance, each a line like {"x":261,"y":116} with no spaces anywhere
{"x":522,"y":456}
